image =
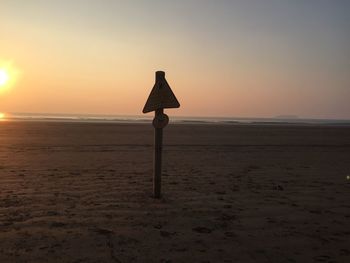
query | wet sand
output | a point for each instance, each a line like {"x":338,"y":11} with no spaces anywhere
{"x":81,"y":192}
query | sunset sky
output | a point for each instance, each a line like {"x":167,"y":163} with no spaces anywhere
{"x":222,"y":58}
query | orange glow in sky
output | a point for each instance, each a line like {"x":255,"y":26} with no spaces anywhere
{"x":4,"y":77}
{"x":8,"y":75}
{"x":221,"y":58}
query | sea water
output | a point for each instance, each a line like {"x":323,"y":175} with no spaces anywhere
{"x":174,"y":119}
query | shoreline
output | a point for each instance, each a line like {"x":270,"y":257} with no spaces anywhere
{"x":182,"y":122}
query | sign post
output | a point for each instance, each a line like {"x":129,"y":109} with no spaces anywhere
{"x":161,"y":97}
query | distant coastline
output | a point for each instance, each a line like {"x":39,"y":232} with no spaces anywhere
{"x":96,"y":118}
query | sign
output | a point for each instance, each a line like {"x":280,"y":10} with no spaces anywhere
{"x":160,"y":121}
{"x":161,"y":97}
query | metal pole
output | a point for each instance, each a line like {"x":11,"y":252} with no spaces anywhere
{"x":158,"y":145}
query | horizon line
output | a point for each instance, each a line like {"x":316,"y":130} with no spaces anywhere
{"x":281,"y":116}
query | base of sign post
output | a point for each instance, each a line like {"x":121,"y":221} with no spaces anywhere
{"x":158,"y":141}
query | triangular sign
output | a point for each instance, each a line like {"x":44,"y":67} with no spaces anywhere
{"x":161,"y":95}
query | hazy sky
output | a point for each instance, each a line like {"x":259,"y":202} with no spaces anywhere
{"x":222,"y":58}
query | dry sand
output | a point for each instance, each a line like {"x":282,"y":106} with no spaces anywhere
{"x":80,"y":192}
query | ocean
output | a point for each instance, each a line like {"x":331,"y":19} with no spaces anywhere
{"x":173,"y":119}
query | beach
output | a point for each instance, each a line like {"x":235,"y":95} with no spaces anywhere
{"x":82,"y":192}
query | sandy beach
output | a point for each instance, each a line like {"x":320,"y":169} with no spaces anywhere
{"x":82,"y":192}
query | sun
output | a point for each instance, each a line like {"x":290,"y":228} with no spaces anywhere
{"x":9,"y":75}
{"x":4,"y":77}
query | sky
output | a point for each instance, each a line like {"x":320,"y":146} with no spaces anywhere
{"x":222,"y":58}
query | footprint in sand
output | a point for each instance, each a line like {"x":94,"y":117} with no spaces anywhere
{"x":167,"y":234}
{"x":202,"y":230}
